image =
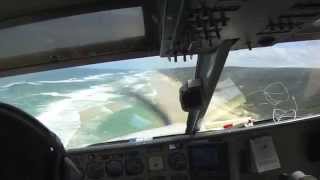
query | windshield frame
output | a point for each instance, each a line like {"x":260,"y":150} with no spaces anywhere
{"x":208,"y":70}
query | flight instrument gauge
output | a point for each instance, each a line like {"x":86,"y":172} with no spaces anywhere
{"x":177,"y":161}
{"x":114,"y":168}
{"x":134,"y":166}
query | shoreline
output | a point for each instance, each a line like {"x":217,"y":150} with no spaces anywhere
{"x":166,"y":99}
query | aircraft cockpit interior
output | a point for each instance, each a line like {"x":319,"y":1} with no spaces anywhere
{"x":160,"y":90}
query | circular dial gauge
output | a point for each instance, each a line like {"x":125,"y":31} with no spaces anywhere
{"x":134,"y":166}
{"x":114,"y":168}
{"x":177,"y":161}
{"x":95,"y":170}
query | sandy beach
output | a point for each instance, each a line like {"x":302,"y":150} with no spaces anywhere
{"x":120,"y":117}
{"x":168,"y":97}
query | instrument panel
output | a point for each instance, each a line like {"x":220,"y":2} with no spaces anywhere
{"x":167,"y":161}
{"x":207,"y":155}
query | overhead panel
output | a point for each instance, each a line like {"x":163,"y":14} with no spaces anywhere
{"x":99,"y":31}
{"x":193,"y":26}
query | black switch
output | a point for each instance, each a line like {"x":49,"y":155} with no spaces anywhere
{"x":313,"y":147}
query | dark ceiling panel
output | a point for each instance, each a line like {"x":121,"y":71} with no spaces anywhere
{"x":172,"y":27}
{"x":14,"y":13}
{"x":192,"y":26}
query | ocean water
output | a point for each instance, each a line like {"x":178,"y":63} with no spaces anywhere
{"x":86,"y":106}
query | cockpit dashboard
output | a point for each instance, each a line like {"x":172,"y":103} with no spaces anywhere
{"x":205,"y":155}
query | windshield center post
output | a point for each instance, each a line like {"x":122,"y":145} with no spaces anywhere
{"x":208,"y":71}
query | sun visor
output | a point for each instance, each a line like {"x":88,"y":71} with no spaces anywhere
{"x":74,"y":39}
{"x":72,"y":32}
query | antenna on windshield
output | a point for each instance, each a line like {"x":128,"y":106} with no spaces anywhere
{"x":195,"y":95}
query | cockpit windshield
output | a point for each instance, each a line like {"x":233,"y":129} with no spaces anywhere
{"x":136,"y":98}
{"x":139,"y":98}
{"x":269,"y":84}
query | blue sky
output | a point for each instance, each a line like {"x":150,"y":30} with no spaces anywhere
{"x":295,"y":54}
